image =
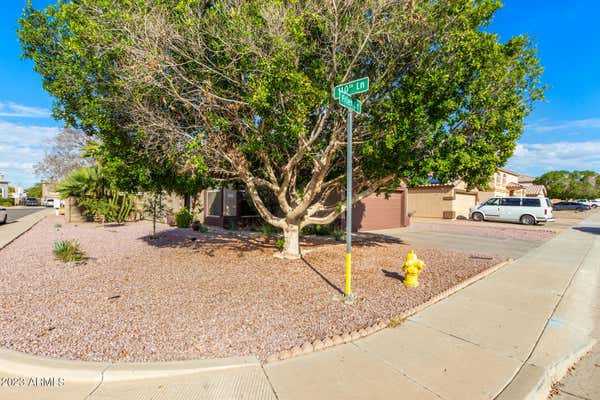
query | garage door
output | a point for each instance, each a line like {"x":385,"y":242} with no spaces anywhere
{"x":462,"y":203}
{"x":377,"y":212}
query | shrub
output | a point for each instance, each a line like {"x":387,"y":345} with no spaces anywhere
{"x":57,"y":225}
{"x":7,"y":202}
{"x":183,"y":218}
{"x":319,"y":230}
{"x":279,"y":244}
{"x":199,"y":227}
{"x":67,"y":250}
{"x":338,"y":234}
{"x":269,"y":230}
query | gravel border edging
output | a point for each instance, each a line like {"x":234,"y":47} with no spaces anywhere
{"x":317,"y":345}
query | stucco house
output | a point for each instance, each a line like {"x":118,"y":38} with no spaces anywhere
{"x":49,"y":191}
{"x":453,"y":200}
{"x":3,"y":187}
{"x":448,"y":201}
{"x":531,"y":189}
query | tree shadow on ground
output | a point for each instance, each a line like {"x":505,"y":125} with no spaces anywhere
{"x":208,"y":242}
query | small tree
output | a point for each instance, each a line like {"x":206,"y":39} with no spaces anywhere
{"x":155,"y":207}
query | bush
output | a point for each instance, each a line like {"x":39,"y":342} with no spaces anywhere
{"x":338,"y":234}
{"x":319,"y":230}
{"x":7,"y":202}
{"x":57,"y":226}
{"x":183,"y":218}
{"x":67,"y":250}
{"x":269,"y":230}
{"x":279,"y":244}
{"x":199,"y":227}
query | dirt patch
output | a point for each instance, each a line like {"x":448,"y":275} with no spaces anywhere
{"x":218,"y":295}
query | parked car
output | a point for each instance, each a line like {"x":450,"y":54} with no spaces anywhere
{"x":591,"y":203}
{"x":526,"y":210}
{"x":3,"y":215}
{"x":31,"y":201}
{"x":49,"y":203}
{"x":570,"y":205}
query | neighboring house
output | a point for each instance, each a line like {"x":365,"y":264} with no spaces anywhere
{"x":502,"y":184}
{"x":531,"y":189}
{"x":448,"y":201}
{"x":453,"y":200}
{"x":49,"y":191}
{"x":3,"y":187}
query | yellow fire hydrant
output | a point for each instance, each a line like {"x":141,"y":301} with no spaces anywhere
{"x":412,"y":268}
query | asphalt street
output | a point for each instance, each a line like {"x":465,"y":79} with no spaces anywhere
{"x":15,"y":213}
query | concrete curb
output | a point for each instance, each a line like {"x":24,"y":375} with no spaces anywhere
{"x":20,"y":364}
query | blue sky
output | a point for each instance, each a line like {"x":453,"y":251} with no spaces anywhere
{"x":562,"y":133}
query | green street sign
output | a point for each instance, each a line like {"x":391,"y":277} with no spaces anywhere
{"x":358,"y":86}
{"x":350,"y":103}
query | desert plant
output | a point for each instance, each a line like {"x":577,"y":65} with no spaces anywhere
{"x":280,"y":243}
{"x":67,"y":250}
{"x":183,"y":218}
{"x":338,"y":234}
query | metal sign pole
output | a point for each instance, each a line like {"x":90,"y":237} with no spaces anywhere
{"x":349,"y":208}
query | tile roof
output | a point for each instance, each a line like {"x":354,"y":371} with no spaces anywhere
{"x":534,"y":190}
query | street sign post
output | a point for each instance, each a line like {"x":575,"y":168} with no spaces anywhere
{"x":342,"y":93}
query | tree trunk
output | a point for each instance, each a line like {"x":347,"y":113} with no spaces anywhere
{"x":291,"y":235}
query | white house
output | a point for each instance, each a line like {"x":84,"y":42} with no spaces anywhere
{"x":3,"y":187}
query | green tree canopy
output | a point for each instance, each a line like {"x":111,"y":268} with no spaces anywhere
{"x":571,"y":184}
{"x":243,"y":89}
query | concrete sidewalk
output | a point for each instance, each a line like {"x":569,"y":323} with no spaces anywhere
{"x":13,"y":230}
{"x":508,"y":336}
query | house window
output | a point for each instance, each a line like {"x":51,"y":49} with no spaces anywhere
{"x":230,"y":203}
{"x":504,"y":179}
{"x":213,"y":203}
{"x":497,"y":178}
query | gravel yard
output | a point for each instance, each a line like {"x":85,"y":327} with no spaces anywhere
{"x":223,"y":294}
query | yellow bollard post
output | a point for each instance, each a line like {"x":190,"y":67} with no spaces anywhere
{"x":412,"y":268}
{"x":348,"y":274}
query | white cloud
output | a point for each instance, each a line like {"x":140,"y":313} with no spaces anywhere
{"x":588,"y":123}
{"x":21,"y":146}
{"x":10,"y":109}
{"x":537,"y":158}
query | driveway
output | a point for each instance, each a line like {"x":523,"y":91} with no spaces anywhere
{"x":505,"y":240}
{"x":503,"y":247}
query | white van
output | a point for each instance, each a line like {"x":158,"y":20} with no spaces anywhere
{"x":526,"y":210}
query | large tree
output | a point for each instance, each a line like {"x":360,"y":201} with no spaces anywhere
{"x":65,"y":154}
{"x":244,"y":88}
{"x":571,"y":184}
